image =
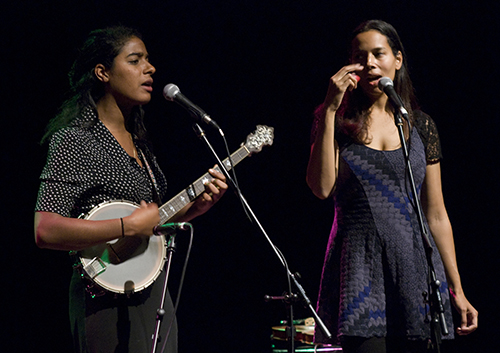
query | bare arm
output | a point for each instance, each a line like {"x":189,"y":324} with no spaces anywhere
{"x":322,"y":169}
{"x":440,"y":227}
{"x":53,"y":231}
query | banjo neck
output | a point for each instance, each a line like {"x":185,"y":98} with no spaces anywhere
{"x":177,"y":203}
{"x":133,"y":263}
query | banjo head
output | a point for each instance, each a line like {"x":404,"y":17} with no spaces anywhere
{"x":123,"y":265}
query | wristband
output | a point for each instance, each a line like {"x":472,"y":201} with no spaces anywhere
{"x":123,"y":228}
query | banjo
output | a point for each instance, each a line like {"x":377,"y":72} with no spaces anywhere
{"x":131,"y":264}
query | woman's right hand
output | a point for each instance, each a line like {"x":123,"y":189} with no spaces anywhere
{"x":343,"y":80}
{"x":322,"y":169}
{"x":142,"y":221}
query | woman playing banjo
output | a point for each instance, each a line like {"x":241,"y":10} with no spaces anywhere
{"x":98,"y":152}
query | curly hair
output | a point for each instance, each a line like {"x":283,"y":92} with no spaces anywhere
{"x":100,"y":47}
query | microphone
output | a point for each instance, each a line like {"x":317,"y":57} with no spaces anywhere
{"x":170,"y":228}
{"x":172,"y":93}
{"x":386,"y":85}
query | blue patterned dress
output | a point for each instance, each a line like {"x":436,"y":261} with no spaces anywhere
{"x":375,"y":268}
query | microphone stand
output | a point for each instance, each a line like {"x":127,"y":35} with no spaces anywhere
{"x":438,"y":322}
{"x":290,"y":331}
{"x":291,"y":277}
{"x":160,"y":312}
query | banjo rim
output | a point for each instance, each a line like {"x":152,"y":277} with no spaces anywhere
{"x":156,"y":245}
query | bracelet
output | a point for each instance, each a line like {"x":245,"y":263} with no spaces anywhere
{"x":123,"y":228}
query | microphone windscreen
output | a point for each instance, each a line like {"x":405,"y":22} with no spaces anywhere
{"x":384,"y":82}
{"x":170,"y":91}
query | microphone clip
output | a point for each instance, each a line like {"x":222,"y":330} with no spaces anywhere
{"x":171,"y":228}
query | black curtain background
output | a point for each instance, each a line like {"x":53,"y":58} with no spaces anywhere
{"x":246,"y":63}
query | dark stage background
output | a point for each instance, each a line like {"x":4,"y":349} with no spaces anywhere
{"x":246,"y":63}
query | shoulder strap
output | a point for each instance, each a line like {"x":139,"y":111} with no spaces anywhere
{"x":156,"y":193}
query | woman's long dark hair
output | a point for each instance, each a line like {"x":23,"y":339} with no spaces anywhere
{"x":353,"y":112}
{"x":101,"y":47}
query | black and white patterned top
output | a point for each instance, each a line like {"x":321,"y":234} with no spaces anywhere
{"x":87,"y":166}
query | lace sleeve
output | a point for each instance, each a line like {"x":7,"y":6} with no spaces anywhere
{"x":427,"y":131}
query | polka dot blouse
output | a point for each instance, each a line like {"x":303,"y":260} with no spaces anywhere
{"x":87,"y":166}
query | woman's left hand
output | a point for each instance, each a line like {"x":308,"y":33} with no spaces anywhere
{"x":468,"y":314}
{"x":214,"y":190}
